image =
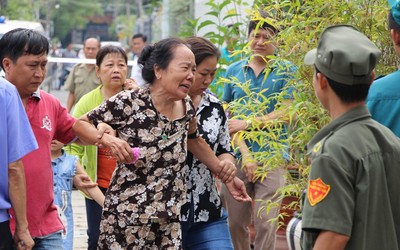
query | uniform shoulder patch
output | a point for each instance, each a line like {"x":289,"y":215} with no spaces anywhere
{"x":318,"y":147}
{"x":317,"y":191}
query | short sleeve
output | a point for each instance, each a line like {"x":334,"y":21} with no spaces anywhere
{"x":20,"y":137}
{"x":224,"y":139}
{"x":70,"y":82}
{"x":64,"y":125}
{"x":227,"y":94}
{"x":329,"y":202}
{"x":288,"y":70}
{"x":114,"y":111}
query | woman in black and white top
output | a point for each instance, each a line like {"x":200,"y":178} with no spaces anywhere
{"x":204,"y":224}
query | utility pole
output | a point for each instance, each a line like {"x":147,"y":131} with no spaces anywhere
{"x":49,"y":7}
{"x":115,"y":9}
{"x":3,"y":4}
{"x":165,"y":20}
{"x":140,"y":10}
{"x":128,"y":9}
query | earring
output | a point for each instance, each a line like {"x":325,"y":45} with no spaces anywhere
{"x":158,"y":77}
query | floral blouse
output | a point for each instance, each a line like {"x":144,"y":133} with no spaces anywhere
{"x":203,"y":196}
{"x":154,"y":186}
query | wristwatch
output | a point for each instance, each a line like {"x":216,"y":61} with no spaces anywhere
{"x":248,"y":124}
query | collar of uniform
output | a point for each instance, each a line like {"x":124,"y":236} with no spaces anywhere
{"x":355,"y":114}
{"x":208,"y":97}
{"x":271,"y":63}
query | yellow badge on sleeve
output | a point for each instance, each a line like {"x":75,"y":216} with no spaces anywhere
{"x":317,"y":191}
{"x":317,"y":147}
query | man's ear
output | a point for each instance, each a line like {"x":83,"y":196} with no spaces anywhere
{"x":373,"y":75}
{"x":321,"y":80}
{"x":6,"y":64}
{"x":97,"y":69}
{"x":395,"y":35}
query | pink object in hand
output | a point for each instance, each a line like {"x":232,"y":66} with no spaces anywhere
{"x":136,"y":154}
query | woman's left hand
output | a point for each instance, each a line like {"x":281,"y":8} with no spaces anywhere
{"x":130,"y":84}
{"x":104,"y":128}
{"x":238,"y":191}
{"x":227,"y":171}
{"x":119,"y":148}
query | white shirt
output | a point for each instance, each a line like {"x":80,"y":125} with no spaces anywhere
{"x":136,"y":72}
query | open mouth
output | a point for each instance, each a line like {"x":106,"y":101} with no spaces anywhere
{"x":187,"y":86}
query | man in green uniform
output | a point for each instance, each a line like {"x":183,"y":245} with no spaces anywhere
{"x":83,"y":78}
{"x":352,"y":199}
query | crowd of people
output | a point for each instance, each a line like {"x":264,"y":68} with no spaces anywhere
{"x":160,"y":164}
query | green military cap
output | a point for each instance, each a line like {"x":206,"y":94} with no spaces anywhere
{"x":344,"y":55}
{"x":395,"y":9}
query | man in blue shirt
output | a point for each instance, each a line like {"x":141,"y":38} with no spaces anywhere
{"x":17,"y":140}
{"x":383,"y":99}
{"x":258,"y":81}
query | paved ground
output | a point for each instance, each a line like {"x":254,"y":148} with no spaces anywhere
{"x":78,"y":203}
{"x":80,"y":238}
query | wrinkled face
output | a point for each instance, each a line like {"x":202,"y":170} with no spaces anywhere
{"x":262,"y":42}
{"x":27,"y":73}
{"x":205,"y":73}
{"x":178,"y":77}
{"x":56,"y":145}
{"x":91,"y":47}
{"x":137,"y":45}
{"x":112,"y":71}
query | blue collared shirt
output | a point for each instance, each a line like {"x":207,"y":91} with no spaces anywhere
{"x":269,"y":83}
{"x":17,"y":139}
{"x":383,"y":101}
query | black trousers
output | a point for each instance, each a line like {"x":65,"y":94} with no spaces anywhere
{"x":6,"y":240}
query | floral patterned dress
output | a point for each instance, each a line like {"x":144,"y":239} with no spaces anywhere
{"x":203,"y":199}
{"x":154,"y":186}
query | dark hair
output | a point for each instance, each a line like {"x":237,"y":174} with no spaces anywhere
{"x":202,"y":48}
{"x":348,"y":93}
{"x":110,"y":49}
{"x":262,"y":25}
{"x":392,"y":23}
{"x":19,"y":42}
{"x":140,"y":35}
{"x":233,"y":29}
{"x":160,"y":54}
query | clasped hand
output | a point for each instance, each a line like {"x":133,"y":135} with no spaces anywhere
{"x":227,"y":171}
{"x":119,"y":148}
